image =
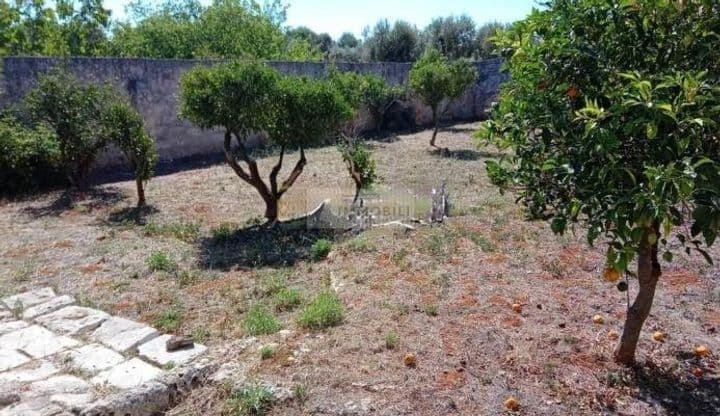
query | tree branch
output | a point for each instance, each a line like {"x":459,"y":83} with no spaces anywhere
{"x":275,"y":171}
{"x":230,"y":158}
{"x":294,"y":175}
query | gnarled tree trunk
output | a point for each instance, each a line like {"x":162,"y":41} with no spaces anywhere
{"x":270,"y":194}
{"x":649,"y":272}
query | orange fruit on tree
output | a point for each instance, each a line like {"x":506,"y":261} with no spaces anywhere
{"x":573,"y":92}
{"x":517,"y":307}
{"x":611,"y":275}
{"x":598,"y":319}
{"x":613,"y":335}
{"x":512,"y":404}
{"x":702,"y":351}
{"x":659,"y":336}
{"x":698,"y":372}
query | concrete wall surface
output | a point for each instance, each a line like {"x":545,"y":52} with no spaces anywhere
{"x":153,"y":88}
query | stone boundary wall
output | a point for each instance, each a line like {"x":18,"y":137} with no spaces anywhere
{"x":153,"y":88}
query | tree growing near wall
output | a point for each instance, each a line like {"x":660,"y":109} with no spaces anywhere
{"x":243,"y":98}
{"x":72,"y":110}
{"x":368,"y":90}
{"x":612,"y":113}
{"x":85,"y":119}
{"x":28,"y":157}
{"x":124,"y":126}
{"x":435,"y":79}
{"x":378,"y":96}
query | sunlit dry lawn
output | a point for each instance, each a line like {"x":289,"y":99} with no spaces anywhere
{"x":445,"y":292}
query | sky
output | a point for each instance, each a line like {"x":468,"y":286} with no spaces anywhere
{"x":338,"y":16}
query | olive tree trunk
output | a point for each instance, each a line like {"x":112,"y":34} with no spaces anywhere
{"x":648,"y":274}
{"x":436,"y":125}
{"x":270,"y":194}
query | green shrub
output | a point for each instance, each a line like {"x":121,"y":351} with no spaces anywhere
{"x":360,"y":164}
{"x":320,"y":249}
{"x":324,"y":311}
{"x":259,"y":321}
{"x":287,"y":299}
{"x":161,"y":261}
{"x":29,"y":158}
{"x":253,"y":399}
{"x":73,"y":111}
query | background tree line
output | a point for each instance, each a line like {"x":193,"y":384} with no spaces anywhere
{"x":223,"y":29}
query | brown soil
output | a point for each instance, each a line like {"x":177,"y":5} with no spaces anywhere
{"x":447,"y":292}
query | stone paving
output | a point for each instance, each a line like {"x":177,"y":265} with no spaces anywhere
{"x":57,"y":358}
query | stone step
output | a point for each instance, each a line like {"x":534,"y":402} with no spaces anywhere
{"x":55,"y":358}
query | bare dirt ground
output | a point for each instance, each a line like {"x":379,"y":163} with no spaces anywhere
{"x":444,"y":292}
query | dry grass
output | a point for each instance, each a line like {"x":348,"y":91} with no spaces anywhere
{"x":445,"y":292}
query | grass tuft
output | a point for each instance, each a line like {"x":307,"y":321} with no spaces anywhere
{"x":223,"y":232}
{"x":169,"y":320}
{"x":392,"y":340}
{"x":267,"y":352}
{"x":161,"y":261}
{"x":324,"y":311}
{"x":253,"y":399}
{"x":187,"y":232}
{"x":259,"y":321}
{"x":287,"y":299}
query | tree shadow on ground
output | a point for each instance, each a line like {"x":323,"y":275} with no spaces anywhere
{"x":131,"y":215}
{"x":464,"y":154}
{"x":89,"y":200}
{"x":259,"y":246}
{"x":460,"y":129}
{"x":678,"y":396}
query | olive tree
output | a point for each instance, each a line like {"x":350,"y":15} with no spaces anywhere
{"x":123,"y":125}
{"x":453,"y":36}
{"x":435,"y":80}
{"x":250,"y":97}
{"x":611,"y":113}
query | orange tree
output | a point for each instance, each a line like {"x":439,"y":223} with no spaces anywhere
{"x":435,"y":80}
{"x":611,"y":116}
{"x":245,"y":98}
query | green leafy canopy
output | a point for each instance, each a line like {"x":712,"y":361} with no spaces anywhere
{"x":434,"y":78}
{"x":612,"y":117}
